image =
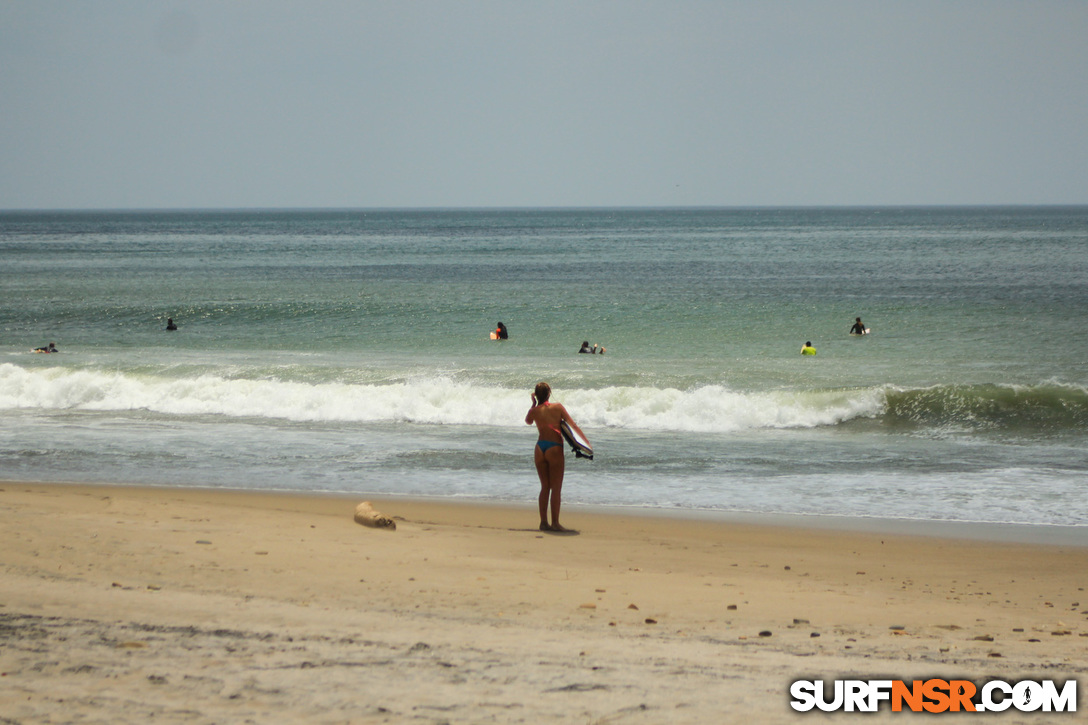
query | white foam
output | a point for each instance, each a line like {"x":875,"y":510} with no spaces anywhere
{"x":429,"y":400}
{"x":715,"y":409}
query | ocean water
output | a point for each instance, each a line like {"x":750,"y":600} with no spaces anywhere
{"x":348,"y":351}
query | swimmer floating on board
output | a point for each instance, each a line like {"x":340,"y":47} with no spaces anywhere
{"x":859,"y":328}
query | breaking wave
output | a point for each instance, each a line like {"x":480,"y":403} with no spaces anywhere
{"x":441,"y":401}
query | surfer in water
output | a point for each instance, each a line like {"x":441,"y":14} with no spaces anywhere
{"x":548,"y":454}
{"x":501,"y":333}
{"x":858,"y":328}
{"x":808,"y":349}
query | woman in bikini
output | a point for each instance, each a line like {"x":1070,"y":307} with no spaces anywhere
{"x":548,"y":453}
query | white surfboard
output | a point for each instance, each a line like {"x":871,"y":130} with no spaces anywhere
{"x":578,"y":444}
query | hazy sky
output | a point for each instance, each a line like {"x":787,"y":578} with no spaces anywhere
{"x":275,"y":103}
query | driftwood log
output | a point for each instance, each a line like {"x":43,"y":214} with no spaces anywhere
{"x":366,"y":515}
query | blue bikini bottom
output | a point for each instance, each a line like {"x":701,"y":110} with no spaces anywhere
{"x":545,"y":445}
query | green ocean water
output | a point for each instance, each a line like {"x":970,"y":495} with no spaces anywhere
{"x":348,"y":350}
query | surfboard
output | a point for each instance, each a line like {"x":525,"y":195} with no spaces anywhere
{"x":578,"y":444}
{"x":859,"y":334}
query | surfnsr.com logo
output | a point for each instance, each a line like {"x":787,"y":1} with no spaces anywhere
{"x":934,"y":695}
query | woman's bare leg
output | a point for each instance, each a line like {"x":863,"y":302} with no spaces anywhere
{"x":556,"y":466}
{"x":545,"y":487}
{"x":550,"y":467}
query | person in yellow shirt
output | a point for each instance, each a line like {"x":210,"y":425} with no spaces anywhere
{"x":808,"y":349}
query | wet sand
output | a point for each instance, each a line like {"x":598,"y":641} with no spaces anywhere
{"x":137,"y":604}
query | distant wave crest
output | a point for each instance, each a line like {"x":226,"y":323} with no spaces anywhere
{"x":1044,"y":408}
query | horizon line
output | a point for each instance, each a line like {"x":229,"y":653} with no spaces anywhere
{"x":648,"y":207}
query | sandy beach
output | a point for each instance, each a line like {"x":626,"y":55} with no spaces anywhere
{"x":138,"y":604}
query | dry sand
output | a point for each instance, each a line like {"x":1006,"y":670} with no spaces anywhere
{"x":130,"y":604}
